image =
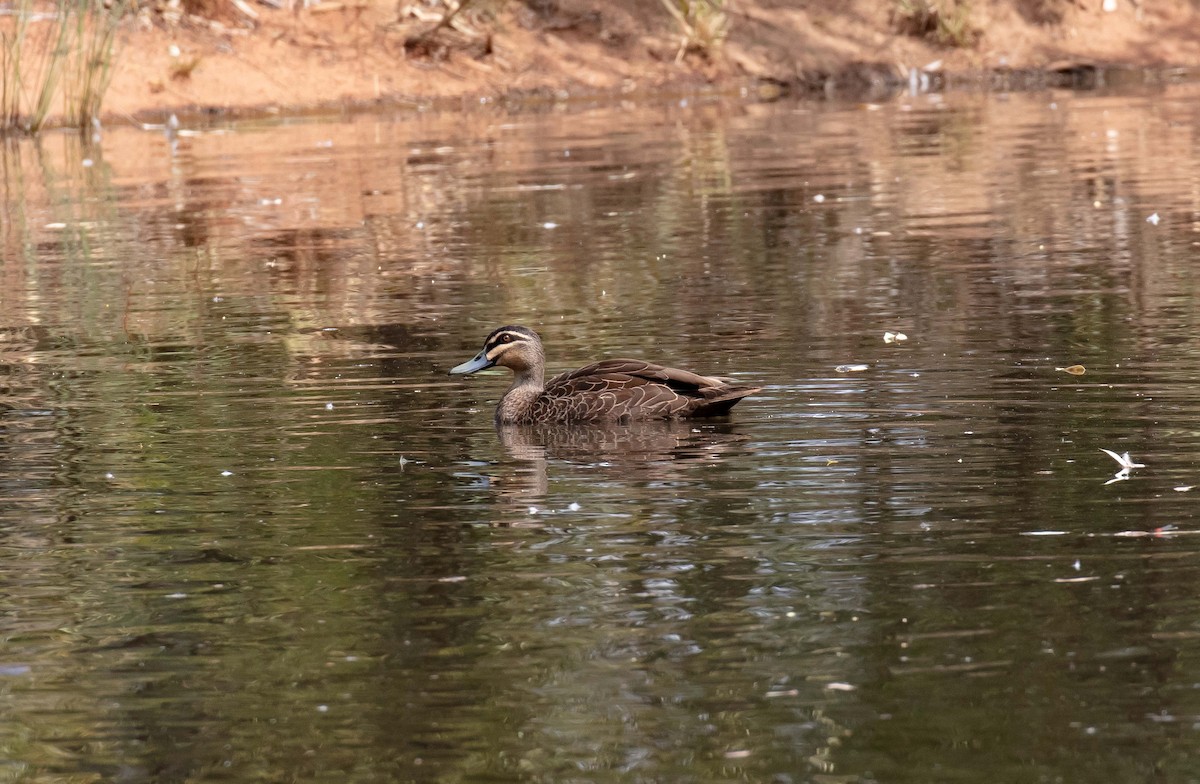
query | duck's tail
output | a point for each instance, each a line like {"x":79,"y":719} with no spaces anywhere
{"x":725,"y":399}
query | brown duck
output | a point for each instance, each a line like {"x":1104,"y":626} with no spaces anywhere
{"x":608,"y":391}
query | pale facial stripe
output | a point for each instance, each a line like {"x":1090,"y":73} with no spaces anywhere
{"x":495,"y":351}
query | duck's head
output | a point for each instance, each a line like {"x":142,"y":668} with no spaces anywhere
{"x":513,"y":346}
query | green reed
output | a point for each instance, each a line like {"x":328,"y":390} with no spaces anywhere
{"x":91,"y":70}
{"x":63,"y":52}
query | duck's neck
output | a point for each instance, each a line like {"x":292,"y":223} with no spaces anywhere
{"x":527,"y":385}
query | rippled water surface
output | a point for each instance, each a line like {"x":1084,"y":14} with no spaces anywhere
{"x":251,"y":531}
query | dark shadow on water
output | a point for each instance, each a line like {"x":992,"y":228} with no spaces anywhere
{"x":621,"y":446}
{"x":660,"y":451}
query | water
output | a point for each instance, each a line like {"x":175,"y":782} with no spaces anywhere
{"x":251,"y":531}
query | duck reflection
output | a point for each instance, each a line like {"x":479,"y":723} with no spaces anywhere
{"x":642,"y":451}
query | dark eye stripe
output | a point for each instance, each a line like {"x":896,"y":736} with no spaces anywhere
{"x":507,"y":337}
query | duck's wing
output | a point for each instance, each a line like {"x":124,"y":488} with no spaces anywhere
{"x":635,"y":389}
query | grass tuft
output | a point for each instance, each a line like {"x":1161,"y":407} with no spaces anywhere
{"x":943,"y":22}
{"x":704,"y":23}
{"x":56,"y":52}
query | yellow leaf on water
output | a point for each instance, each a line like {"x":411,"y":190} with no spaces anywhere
{"x":1074,"y":370}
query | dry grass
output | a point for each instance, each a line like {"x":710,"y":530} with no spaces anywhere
{"x":704,"y":23}
{"x":943,"y":22}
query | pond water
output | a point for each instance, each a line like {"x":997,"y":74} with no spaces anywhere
{"x":251,"y":530}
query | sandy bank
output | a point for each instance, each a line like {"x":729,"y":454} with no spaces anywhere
{"x":250,"y":57}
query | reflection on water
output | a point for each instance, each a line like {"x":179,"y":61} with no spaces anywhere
{"x":251,"y":531}
{"x":664,"y":453}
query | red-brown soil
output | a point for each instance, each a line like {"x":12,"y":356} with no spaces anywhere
{"x":365,"y":51}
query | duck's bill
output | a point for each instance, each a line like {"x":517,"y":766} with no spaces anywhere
{"x":475,"y":363}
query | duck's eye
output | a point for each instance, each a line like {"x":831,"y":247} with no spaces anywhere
{"x":506,"y":338}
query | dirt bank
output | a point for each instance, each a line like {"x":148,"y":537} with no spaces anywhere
{"x":238,"y":55}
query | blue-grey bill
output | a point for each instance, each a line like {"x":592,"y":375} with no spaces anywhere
{"x":477,"y":362}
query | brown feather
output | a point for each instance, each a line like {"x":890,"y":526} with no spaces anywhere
{"x":607,"y":391}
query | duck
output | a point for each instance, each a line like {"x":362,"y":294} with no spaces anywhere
{"x":612,"y":390}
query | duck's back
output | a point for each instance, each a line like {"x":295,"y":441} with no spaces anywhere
{"x":625,"y":389}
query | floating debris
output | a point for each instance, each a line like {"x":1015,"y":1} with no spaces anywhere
{"x":1153,"y":219}
{"x":1182,"y":488}
{"x":851,"y":368}
{"x":838,"y":686}
{"x":1075,"y":579}
{"x":894,"y":337}
{"x":1126,"y":463}
{"x":1074,"y":370}
{"x":1166,"y":531}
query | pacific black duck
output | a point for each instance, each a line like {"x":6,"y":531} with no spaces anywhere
{"x":607,"y":391}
